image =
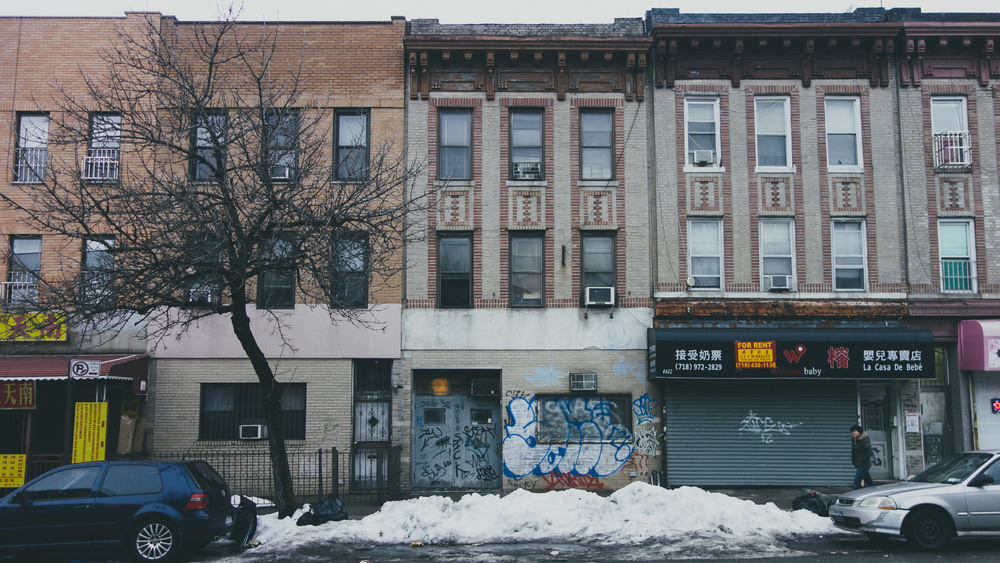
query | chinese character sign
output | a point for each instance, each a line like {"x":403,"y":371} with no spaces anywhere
{"x":12,"y":470}
{"x":32,"y":327}
{"x":17,"y":395}
{"x":90,"y":428}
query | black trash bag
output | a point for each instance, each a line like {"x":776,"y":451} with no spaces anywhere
{"x":330,"y":509}
{"x":811,"y":502}
{"x":245,"y":522}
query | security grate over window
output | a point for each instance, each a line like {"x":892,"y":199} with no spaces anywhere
{"x":225,"y":407}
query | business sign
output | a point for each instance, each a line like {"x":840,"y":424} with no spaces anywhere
{"x":17,"y":395}
{"x":84,"y":369}
{"x":806,"y":359}
{"x":12,"y":469}
{"x":90,"y":430}
{"x":32,"y":327}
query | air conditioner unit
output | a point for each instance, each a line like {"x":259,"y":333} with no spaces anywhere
{"x":599,"y":297}
{"x":527,"y":171}
{"x":704,"y":158}
{"x":583,"y":382}
{"x":485,"y":388}
{"x":253,"y":432}
{"x":279,"y":172}
{"x":777,"y":283}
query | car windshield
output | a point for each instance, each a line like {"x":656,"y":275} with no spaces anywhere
{"x":955,"y":469}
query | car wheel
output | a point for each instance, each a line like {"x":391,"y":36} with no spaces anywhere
{"x":929,"y":529}
{"x":154,"y":540}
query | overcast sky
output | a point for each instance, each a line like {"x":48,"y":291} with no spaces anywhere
{"x":461,"y":11}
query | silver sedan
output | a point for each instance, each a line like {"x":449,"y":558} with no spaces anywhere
{"x":959,"y":496}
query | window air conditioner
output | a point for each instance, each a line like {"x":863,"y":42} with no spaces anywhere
{"x":599,"y":297}
{"x":704,"y":158}
{"x":253,"y":432}
{"x":777,"y":283}
{"x":583,"y":382}
{"x":527,"y":171}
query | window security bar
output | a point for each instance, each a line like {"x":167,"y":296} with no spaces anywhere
{"x":956,"y":274}
{"x":29,"y":164}
{"x":952,"y":149}
{"x":101,"y":165}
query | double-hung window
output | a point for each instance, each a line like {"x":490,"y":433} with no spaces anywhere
{"x":701,"y":128}
{"x":276,"y":284}
{"x":23,"y":270}
{"x":596,"y":145}
{"x":98,"y":269}
{"x":454,"y":270}
{"x":777,"y":255}
{"x":958,"y":264}
{"x":454,"y":144}
{"x":351,"y":153}
{"x":204,"y":286}
{"x":527,"y":274}
{"x":526,"y":145}
{"x":104,"y":150}
{"x":208,"y":158}
{"x":772,"y":122}
{"x":225,"y":407}
{"x":705,"y":253}
{"x":849,"y":262}
{"x":598,"y":260}
{"x":950,"y":127}
{"x":32,"y":151}
{"x":350,"y":271}
{"x":282,"y":144}
{"x":843,"y":138}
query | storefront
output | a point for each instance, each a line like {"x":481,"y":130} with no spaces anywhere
{"x":773,"y":407}
{"x":979,"y":355}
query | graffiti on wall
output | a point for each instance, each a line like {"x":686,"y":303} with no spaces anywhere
{"x":765,"y":427}
{"x":624,"y":369}
{"x":645,"y":440}
{"x":644,"y":408}
{"x":613,"y":336}
{"x":547,"y":376}
{"x":580,"y":436}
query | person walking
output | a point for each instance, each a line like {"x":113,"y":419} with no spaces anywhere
{"x":861,"y":456}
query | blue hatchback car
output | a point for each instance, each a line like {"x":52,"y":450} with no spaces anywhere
{"x":153,"y":508}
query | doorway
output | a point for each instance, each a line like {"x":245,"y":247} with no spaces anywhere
{"x":875,"y":407}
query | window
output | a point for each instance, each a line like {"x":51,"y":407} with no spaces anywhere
{"x":526,"y":145}
{"x":104,"y":150}
{"x":772,"y":122}
{"x":351,"y":156}
{"x":68,"y":483}
{"x":705,"y":249}
{"x":598,"y":260}
{"x":590,"y":419}
{"x":282,"y":144}
{"x":98,"y":268}
{"x":958,"y":265}
{"x":122,"y":480}
{"x":204,"y":287}
{"x":527,"y":272}
{"x":596,"y":145}
{"x":350,"y":270}
{"x":843,"y":127}
{"x":276,"y":284}
{"x":31,"y":152}
{"x":23,"y":270}
{"x":227,"y":406}
{"x":208,"y":159}
{"x":950,"y":127}
{"x":454,"y":270}
{"x":849,"y":255}
{"x":776,"y":252}
{"x":455,"y":144}
{"x":701,"y":126}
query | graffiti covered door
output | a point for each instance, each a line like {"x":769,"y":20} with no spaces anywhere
{"x":456,"y":443}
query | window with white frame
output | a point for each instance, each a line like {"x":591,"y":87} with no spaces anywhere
{"x":705,"y":253}
{"x":958,"y":264}
{"x":24,"y":269}
{"x":849,"y":261}
{"x":777,"y":254}
{"x":282,"y":130}
{"x":526,"y":145}
{"x":104,"y":152}
{"x":701,"y":128}
{"x":950,"y":128}
{"x":597,"y":151}
{"x":98,"y":269}
{"x":843,"y":133}
{"x":772,"y":123}
{"x":32,"y":151}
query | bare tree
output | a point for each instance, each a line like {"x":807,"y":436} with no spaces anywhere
{"x":227,"y":184}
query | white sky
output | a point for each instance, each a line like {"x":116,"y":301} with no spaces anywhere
{"x":462,"y":11}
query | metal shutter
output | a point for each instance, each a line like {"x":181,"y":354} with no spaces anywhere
{"x":797,"y":435}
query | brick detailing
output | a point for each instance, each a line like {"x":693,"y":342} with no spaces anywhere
{"x":775,"y":195}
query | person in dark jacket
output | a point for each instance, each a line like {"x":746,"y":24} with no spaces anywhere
{"x":861,"y":456}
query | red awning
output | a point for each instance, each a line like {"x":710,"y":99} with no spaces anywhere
{"x":979,"y":345}
{"x":120,"y":367}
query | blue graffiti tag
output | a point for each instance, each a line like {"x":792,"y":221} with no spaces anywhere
{"x":624,"y":368}
{"x":575,"y":436}
{"x":547,"y":376}
{"x":644,"y":408}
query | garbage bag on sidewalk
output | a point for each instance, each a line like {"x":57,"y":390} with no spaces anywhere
{"x":812,"y":502}
{"x":245,"y":523}
{"x":330,"y":509}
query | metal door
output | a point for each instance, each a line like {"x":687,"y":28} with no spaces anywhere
{"x":987,"y":388}
{"x":456,"y":443}
{"x":875,"y":421}
{"x":372,"y":428}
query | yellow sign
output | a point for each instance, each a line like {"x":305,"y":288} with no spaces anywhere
{"x":90,"y":430}
{"x":33,"y":326}
{"x":12,"y":470}
{"x":756,"y":355}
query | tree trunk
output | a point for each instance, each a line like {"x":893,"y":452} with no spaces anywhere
{"x":283,"y":488}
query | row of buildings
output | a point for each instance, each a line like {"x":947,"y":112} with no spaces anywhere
{"x":653,"y":248}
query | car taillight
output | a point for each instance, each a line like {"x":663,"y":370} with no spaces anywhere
{"x":198,"y":501}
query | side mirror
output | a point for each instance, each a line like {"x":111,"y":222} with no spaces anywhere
{"x":981,"y":481}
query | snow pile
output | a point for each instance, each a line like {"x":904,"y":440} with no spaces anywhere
{"x":633,"y":515}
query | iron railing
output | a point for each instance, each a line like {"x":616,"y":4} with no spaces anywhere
{"x":101,"y":165}
{"x":20,"y":292}
{"x":956,"y":274}
{"x":952,"y":149}
{"x":29,"y":164}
